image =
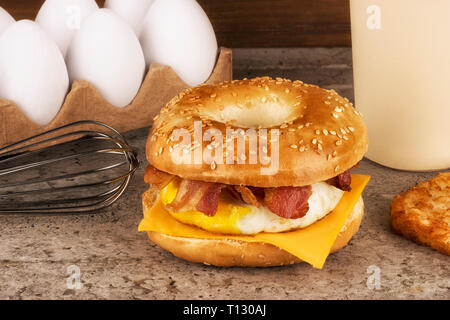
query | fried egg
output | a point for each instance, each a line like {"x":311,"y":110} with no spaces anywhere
{"x":238,"y":218}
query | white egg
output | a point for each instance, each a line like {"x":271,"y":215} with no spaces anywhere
{"x":132,"y":11}
{"x":5,"y":20}
{"x":179,"y":34}
{"x":32,"y":71}
{"x":107,"y":53}
{"x":61,"y":18}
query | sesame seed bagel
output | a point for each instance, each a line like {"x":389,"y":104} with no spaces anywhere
{"x":320,"y":134}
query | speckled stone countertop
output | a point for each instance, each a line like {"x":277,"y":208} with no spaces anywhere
{"x":117,"y":262}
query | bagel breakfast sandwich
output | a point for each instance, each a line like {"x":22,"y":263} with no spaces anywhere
{"x":256,"y":173}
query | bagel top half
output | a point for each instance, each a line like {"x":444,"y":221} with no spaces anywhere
{"x":321,"y":135}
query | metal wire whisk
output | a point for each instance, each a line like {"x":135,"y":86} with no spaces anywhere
{"x":81,"y":167}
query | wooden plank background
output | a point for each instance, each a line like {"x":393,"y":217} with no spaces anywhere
{"x":257,"y":23}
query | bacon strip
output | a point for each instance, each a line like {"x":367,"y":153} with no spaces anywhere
{"x":189,"y":194}
{"x":288,"y":202}
{"x":209,"y":202}
{"x":342,"y":181}
{"x":157,"y":177}
{"x":248,"y":196}
{"x":234,"y":194}
{"x":197,"y":195}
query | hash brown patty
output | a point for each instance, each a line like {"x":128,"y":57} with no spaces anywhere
{"x":422,"y":214}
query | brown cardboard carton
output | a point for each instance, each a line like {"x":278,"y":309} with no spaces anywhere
{"x":84,"y":102}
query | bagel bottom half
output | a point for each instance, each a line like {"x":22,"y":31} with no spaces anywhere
{"x":233,"y":253}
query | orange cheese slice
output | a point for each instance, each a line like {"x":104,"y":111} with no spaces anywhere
{"x":311,"y":244}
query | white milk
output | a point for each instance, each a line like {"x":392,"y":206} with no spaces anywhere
{"x":401,"y":56}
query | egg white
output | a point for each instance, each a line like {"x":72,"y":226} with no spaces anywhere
{"x":323,"y":200}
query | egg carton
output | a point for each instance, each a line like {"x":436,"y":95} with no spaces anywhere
{"x":85,"y":102}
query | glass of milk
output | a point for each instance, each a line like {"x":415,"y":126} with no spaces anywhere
{"x":401,"y":57}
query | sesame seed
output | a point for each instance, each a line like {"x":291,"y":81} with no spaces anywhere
{"x":243,"y":157}
{"x":156,"y":154}
{"x":291,"y":130}
{"x":264,"y":100}
{"x":275,"y":99}
{"x":170,"y":149}
{"x":332,"y":132}
{"x":339,"y":142}
{"x":345,"y":138}
{"x":283,"y":126}
{"x":319,"y":146}
{"x":325,"y":132}
{"x":213,"y":166}
{"x":287,"y":90}
{"x":161,"y":150}
{"x":351,"y":129}
{"x":294,"y":146}
{"x":266,"y":88}
{"x":327,"y":102}
{"x":336,"y":169}
{"x":300,"y":142}
{"x":314,"y":141}
{"x":329,"y":157}
{"x":337,"y":109}
{"x":343,"y":131}
{"x":335,"y":115}
{"x":317,"y":132}
{"x":334,"y":153}
{"x":301,"y":126}
{"x":308,"y":124}
{"x":302,"y":148}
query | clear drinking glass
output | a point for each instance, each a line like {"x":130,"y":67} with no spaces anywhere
{"x":401,"y":57}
